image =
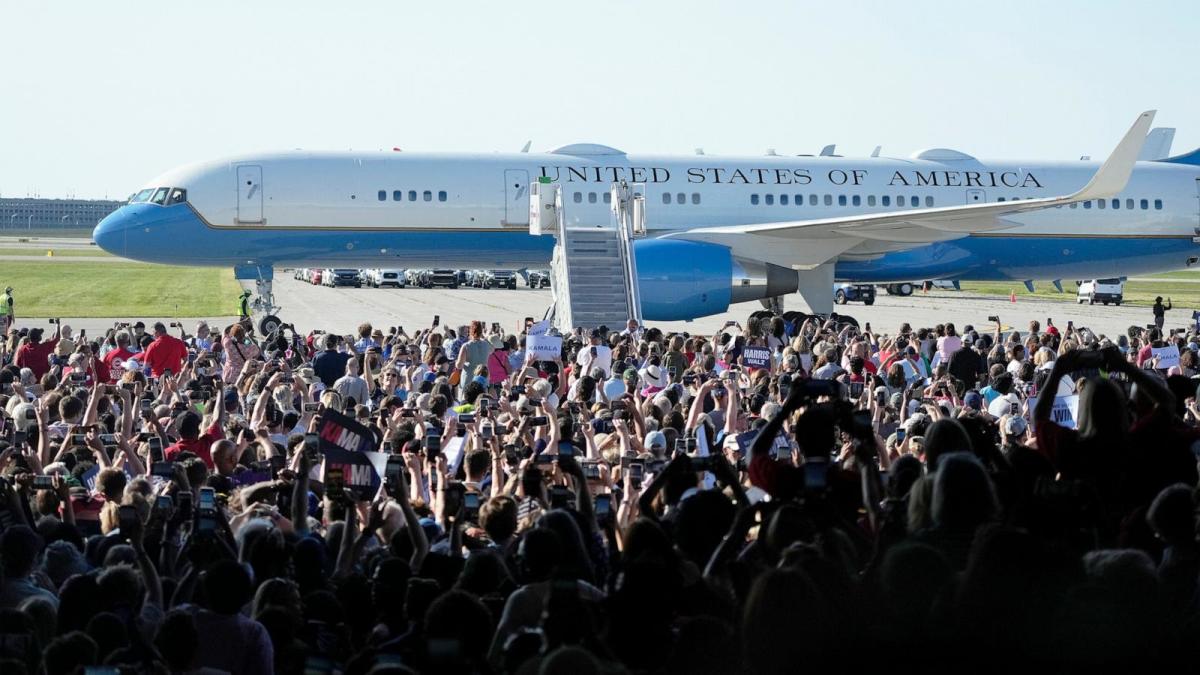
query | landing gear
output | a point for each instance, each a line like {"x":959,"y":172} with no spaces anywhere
{"x":263,"y":305}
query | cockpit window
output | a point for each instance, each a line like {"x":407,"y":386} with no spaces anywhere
{"x":141,"y":196}
{"x":160,"y":196}
{"x":177,"y":196}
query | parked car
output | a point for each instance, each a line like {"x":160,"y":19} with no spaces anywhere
{"x":441,"y":277}
{"x":342,"y":276}
{"x":412,"y":277}
{"x":378,"y":278}
{"x":472,"y":278}
{"x":843,"y":293}
{"x":538,"y":279}
{"x":499,"y":279}
{"x":314,"y":276}
{"x":1092,"y":291}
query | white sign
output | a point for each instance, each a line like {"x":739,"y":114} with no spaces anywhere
{"x":544,"y":347}
{"x":1065,"y":412}
{"x":539,"y":328}
{"x":1168,"y":357}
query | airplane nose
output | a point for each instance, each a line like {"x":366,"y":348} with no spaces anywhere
{"x":110,"y":232}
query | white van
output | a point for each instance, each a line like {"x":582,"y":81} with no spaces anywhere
{"x":1092,"y":291}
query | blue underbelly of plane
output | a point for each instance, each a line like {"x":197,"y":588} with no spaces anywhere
{"x":174,"y":235}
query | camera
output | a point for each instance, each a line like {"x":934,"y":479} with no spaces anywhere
{"x":312,"y":447}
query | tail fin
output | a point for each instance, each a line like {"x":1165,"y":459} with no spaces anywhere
{"x":1158,"y":144}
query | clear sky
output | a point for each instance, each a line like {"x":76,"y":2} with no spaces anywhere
{"x":98,"y":97}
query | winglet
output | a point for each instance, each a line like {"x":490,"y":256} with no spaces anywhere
{"x":1114,"y":173}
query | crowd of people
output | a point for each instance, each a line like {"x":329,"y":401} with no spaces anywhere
{"x":788,"y":494}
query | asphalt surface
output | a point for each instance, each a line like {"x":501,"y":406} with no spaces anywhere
{"x":342,"y":309}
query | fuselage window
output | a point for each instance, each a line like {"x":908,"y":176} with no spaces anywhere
{"x":681,"y":198}
{"x":914,"y":201}
{"x":754,"y":199}
{"x":770,"y":199}
{"x":1101,"y":203}
{"x":856,"y":200}
{"x":1074,"y":205}
{"x":870,"y":200}
{"x":999,"y":199}
{"x":783,"y":200}
{"x":591,"y":197}
{"x":812,"y":200}
{"x":412,"y":195}
{"x":160,"y":196}
{"x":841,"y":200}
{"x":427,"y":195}
{"x":666,"y":198}
{"x":578,"y":198}
{"x":799,"y":200}
{"x":695,"y":198}
{"x":828,"y":200}
{"x":1116,"y":203}
{"x":177,"y":196}
{"x":397,"y":195}
{"x":886,"y":200}
{"x":383,"y":195}
{"x":442,"y":195}
{"x":1145,"y":204}
{"x":607,"y":197}
{"x":1158,"y":205}
{"x":1087,"y":204}
{"x":929,"y":201}
{"x":1129,"y":203}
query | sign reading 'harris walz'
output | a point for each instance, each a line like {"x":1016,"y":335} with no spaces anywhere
{"x":785,"y":176}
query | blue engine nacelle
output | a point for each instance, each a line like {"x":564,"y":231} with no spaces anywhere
{"x":680,"y":280}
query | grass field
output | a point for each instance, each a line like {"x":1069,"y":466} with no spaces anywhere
{"x":1137,"y":293}
{"x":95,"y":289}
{"x":93,"y":251}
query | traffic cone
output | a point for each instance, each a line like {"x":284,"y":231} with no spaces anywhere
{"x":49,"y":254}
{"x":1012,"y":297}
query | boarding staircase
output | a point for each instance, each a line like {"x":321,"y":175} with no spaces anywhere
{"x":593,"y":270}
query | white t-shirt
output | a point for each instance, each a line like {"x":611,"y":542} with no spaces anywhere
{"x":603,"y":359}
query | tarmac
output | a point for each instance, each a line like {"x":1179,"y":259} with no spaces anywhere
{"x":342,"y":309}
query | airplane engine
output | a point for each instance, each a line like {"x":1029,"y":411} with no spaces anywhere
{"x":680,"y":280}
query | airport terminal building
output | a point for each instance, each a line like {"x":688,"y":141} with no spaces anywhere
{"x":47,"y":214}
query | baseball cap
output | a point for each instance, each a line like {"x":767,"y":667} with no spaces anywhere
{"x":1015,"y":426}
{"x":973,"y":400}
{"x":655,"y":439}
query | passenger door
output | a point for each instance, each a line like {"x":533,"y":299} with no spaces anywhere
{"x":516,"y":197}
{"x":250,"y":194}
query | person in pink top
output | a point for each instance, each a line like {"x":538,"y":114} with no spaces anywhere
{"x":949,"y":343}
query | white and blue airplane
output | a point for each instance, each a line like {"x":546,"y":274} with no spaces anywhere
{"x":719,"y":229}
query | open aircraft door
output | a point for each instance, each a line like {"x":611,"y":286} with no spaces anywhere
{"x":250,"y":194}
{"x":516,"y":197}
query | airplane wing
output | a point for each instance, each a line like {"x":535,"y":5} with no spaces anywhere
{"x":826,"y":238}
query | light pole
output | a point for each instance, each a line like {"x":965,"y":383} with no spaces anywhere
{"x":29,"y":222}
{"x":11,"y":220}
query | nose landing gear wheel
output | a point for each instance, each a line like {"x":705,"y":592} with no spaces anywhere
{"x":269,"y":324}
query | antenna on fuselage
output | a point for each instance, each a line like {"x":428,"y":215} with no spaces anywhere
{"x":527,"y":145}
{"x":875,"y":152}
{"x":828,"y":150}
{"x":699,"y":151}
